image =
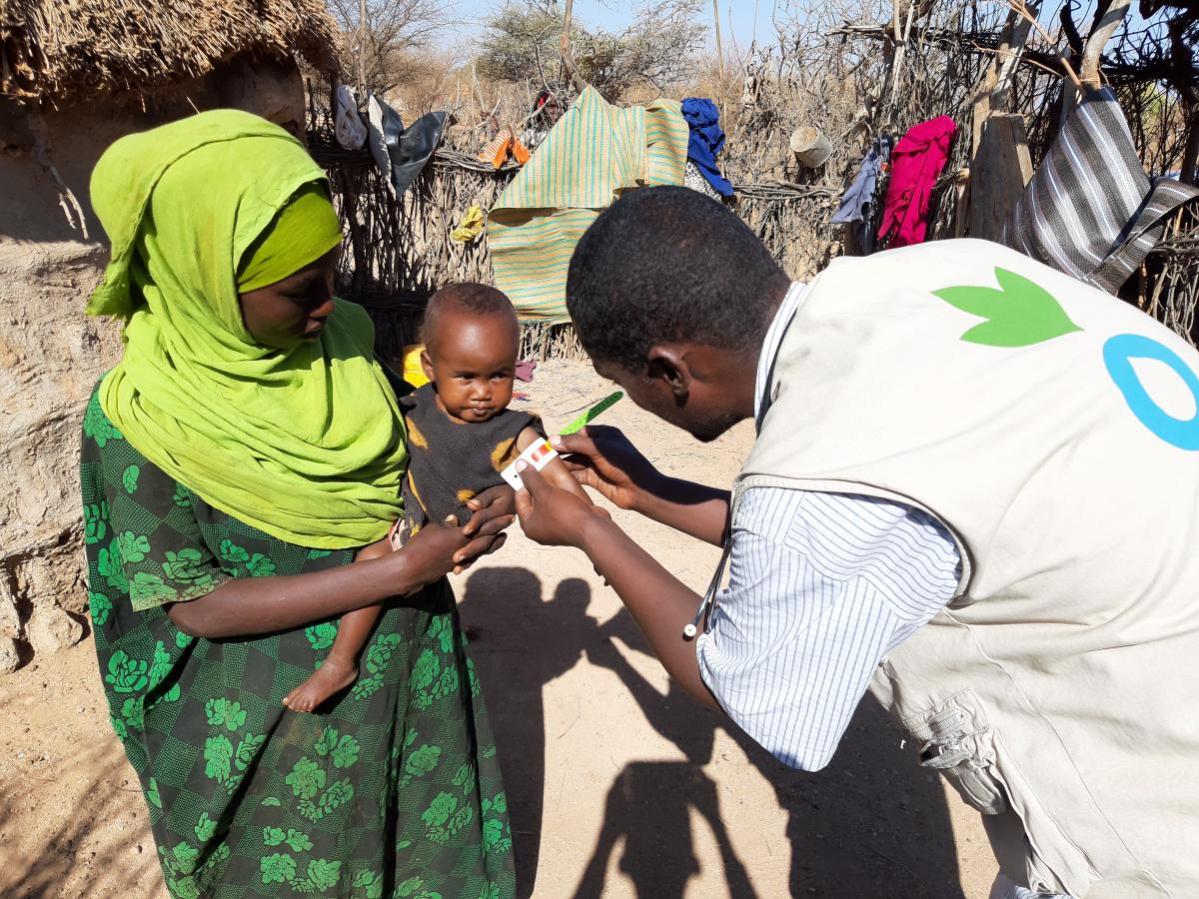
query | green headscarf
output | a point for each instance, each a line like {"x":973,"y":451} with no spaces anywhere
{"x":306,"y":444}
{"x":304,"y":230}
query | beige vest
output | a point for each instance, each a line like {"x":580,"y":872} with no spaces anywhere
{"x":1060,"y":692}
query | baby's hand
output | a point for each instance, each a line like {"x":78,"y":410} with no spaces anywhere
{"x":376,"y":550}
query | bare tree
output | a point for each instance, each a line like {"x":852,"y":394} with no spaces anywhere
{"x":657,"y":50}
{"x":379,"y":51}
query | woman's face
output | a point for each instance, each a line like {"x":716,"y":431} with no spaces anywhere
{"x":292,"y":311}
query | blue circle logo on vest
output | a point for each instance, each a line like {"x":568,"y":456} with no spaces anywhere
{"x":1118,"y":353}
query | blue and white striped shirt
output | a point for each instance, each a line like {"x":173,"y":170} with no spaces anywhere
{"x":821,"y":587}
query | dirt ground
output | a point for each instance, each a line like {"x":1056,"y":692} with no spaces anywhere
{"x":619,"y":786}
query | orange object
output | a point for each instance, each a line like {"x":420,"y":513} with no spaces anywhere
{"x":505,"y":143}
{"x":497,"y":150}
{"x":519,"y":152}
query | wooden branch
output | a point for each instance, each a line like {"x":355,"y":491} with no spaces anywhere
{"x":362,"y":48}
{"x":994,"y":91}
{"x":1188,"y":90}
{"x":719,"y":52}
{"x":568,"y":60}
{"x":1098,"y":39}
{"x":1009,"y":58}
{"x":1117,"y":72}
{"x":1021,"y":8}
{"x":1073,"y":38}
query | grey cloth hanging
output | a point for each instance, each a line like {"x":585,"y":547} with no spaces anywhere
{"x":1089,"y":209}
{"x":415,"y":148}
{"x":858,"y":201}
{"x":401,"y":153}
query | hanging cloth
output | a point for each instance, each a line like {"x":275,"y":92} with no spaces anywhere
{"x":594,"y":153}
{"x":857,"y":203}
{"x":706,"y":141}
{"x":1089,"y":209}
{"x":402,"y":153}
{"x":470,"y":227}
{"x":384,"y":126}
{"x":347,"y":124}
{"x":916,"y":162}
{"x":503,"y":145}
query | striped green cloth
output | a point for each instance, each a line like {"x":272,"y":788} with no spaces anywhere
{"x":595,"y":152}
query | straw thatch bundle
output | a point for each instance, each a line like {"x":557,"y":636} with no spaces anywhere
{"x":54,"y":50}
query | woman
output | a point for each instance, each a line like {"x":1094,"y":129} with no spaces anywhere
{"x":233,"y":462}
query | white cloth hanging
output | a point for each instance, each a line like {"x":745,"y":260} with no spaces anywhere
{"x":347,"y":124}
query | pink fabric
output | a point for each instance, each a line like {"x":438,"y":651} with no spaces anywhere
{"x":916,"y":162}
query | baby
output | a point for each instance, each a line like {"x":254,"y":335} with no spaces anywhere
{"x":461,"y":435}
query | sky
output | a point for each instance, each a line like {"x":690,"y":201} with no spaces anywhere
{"x":615,"y":15}
{"x":742,"y":18}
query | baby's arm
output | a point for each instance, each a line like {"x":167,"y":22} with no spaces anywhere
{"x":376,"y":550}
{"x":555,"y":470}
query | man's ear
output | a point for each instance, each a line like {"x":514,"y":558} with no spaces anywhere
{"x":669,"y":364}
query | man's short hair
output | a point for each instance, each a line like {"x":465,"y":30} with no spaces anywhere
{"x":669,"y":264}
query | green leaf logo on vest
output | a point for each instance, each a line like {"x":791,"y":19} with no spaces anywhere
{"x":1018,"y":313}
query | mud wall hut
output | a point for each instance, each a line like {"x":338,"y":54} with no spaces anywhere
{"x":74,"y":76}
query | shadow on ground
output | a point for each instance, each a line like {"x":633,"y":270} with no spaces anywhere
{"x":94,"y":849}
{"x":871,"y":824}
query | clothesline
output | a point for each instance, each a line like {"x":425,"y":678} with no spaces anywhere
{"x":448,"y":159}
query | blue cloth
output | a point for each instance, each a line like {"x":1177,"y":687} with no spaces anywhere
{"x":706,"y":142}
{"x":858,"y":198}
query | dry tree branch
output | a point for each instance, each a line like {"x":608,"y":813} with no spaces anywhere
{"x":568,"y":60}
{"x":1098,"y":39}
{"x":1020,"y":7}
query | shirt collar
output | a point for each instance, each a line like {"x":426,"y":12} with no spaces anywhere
{"x":770,"y":349}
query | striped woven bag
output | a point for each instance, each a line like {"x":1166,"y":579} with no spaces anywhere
{"x":1089,"y":209}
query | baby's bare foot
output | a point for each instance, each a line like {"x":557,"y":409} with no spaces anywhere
{"x":334,"y":675}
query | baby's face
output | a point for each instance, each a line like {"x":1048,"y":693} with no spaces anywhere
{"x":472,"y":363}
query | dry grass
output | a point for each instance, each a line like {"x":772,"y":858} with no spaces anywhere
{"x":58,"y":50}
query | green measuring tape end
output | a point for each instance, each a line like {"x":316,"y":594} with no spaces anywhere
{"x":592,"y":414}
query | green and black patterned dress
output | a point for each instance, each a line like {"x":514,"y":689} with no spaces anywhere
{"x":392,"y":791}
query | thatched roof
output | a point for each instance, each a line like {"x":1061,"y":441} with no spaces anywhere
{"x":71,"y":49}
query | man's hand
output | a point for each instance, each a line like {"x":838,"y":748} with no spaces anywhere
{"x":551,"y":515}
{"x":603,"y":459}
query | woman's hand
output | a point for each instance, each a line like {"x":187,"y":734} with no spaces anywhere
{"x":437,"y":550}
{"x":494,"y":510}
{"x":602,"y":458}
{"x":551,"y":515}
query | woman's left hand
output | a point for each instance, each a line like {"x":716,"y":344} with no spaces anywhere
{"x":494,"y":510}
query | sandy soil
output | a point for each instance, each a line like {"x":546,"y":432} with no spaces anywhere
{"x":619,"y":786}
